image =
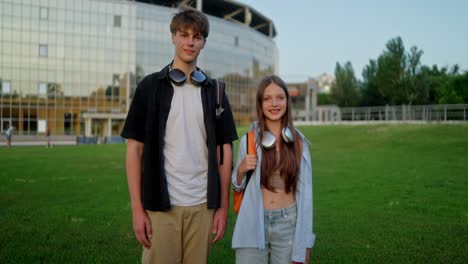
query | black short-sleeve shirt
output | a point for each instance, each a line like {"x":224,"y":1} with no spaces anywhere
{"x":146,"y":123}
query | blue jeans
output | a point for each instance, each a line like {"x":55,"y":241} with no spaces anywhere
{"x":280,"y":225}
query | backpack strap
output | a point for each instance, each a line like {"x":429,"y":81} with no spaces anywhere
{"x":220,"y":86}
{"x":250,"y":141}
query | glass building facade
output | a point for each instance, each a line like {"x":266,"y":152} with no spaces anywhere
{"x":71,"y":66}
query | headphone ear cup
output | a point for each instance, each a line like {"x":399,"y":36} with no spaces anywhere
{"x":197,"y":77}
{"x":269,"y":140}
{"x":287,"y":135}
{"x":177,"y":77}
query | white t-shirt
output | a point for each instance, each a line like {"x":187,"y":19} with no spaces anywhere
{"x":185,"y":149}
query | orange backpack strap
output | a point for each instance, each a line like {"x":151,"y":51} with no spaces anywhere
{"x":238,"y":196}
{"x":251,"y":142}
{"x":251,"y":150}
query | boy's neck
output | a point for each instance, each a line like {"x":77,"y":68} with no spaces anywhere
{"x":187,"y":68}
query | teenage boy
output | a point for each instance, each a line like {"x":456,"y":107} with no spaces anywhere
{"x":179,"y":153}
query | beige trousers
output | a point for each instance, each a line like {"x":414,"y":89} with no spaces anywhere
{"x":180,"y":236}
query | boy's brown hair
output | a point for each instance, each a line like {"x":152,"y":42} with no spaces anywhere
{"x":193,"y":19}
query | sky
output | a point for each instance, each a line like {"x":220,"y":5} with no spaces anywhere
{"x":313,"y":35}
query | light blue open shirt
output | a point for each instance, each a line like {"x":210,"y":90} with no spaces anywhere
{"x":249,"y":229}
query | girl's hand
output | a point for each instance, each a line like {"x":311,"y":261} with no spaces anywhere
{"x":249,"y":163}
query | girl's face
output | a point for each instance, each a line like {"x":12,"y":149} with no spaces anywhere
{"x":274,"y":102}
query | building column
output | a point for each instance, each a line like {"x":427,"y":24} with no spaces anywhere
{"x":310,"y":99}
{"x":109,"y":127}
{"x":88,"y":124}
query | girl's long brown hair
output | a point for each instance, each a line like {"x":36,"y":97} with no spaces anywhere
{"x":289,"y":160}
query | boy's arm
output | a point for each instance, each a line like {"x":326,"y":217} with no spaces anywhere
{"x":220,"y":217}
{"x":141,"y":222}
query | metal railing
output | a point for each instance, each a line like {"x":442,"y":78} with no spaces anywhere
{"x":400,"y":113}
{"x":454,"y":112}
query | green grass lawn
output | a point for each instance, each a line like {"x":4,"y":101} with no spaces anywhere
{"x":382,"y":194}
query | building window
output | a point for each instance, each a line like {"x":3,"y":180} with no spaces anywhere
{"x":117,"y":20}
{"x":116,"y":79}
{"x":44,"y":13}
{"x":43,"y":50}
{"x":42,"y":88}
{"x":6,"y":87}
{"x":139,"y":23}
{"x":236,"y":41}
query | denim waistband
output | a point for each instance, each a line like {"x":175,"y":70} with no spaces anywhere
{"x":281,"y":211}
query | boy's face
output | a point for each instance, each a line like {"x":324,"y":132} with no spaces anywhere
{"x":188,"y":45}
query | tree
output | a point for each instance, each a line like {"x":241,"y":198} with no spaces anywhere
{"x":324,"y":99}
{"x":345,"y":89}
{"x":438,"y":78}
{"x":454,"y":89}
{"x":396,"y":77}
{"x":372,"y":94}
{"x":460,"y":85}
{"x":416,"y":83}
{"x":446,"y":85}
{"x":384,"y":77}
{"x":390,"y":72}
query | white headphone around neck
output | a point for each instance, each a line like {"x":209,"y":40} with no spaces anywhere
{"x":269,"y":139}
